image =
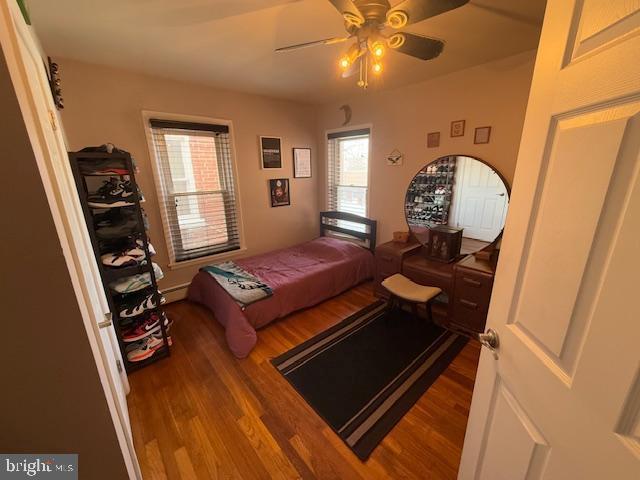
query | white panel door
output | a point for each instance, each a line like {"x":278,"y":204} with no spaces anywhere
{"x":481,"y":200}
{"x":29,"y":77}
{"x":562,"y":401}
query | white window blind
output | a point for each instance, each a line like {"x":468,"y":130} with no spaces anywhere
{"x":348,"y":173}
{"x":197,"y":191}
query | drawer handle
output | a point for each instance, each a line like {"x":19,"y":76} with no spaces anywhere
{"x":469,"y":304}
{"x":471,"y":281}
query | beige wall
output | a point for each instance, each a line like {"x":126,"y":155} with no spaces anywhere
{"x":105,"y":105}
{"x":51,"y":399}
{"x":492,"y":94}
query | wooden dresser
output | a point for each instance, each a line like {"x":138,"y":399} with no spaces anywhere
{"x":473,"y":283}
{"x":466,"y":283}
{"x":389,"y":257}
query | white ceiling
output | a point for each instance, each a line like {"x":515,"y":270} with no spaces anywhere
{"x":230,"y":43}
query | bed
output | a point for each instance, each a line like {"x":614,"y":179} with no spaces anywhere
{"x":300,"y":276}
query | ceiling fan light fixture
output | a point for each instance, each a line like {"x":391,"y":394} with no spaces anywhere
{"x":397,"y":18}
{"x":377,"y":49}
{"x":352,"y":20}
{"x":396,"y":40}
{"x":365,"y":22}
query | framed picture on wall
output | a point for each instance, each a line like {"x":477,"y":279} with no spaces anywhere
{"x":457,"y":128}
{"x":301,"y":163}
{"x":483,"y":134}
{"x":271,"y":152}
{"x":279,"y":192}
{"x":433,"y":139}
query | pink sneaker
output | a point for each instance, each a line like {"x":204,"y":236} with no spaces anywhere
{"x":139,"y":351}
{"x":150,"y":326}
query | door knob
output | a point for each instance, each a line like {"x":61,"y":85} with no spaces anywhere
{"x":490,"y":340}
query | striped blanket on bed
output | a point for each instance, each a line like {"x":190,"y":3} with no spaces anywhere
{"x":243,"y":287}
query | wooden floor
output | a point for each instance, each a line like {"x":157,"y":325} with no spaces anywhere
{"x":204,"y":414}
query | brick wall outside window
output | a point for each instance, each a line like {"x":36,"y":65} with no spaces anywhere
{"x":210,"y":207}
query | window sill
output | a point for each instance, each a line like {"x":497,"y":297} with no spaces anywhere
{"x":206,"y":260}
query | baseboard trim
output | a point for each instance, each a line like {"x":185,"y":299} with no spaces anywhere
{"x":176,"y":292}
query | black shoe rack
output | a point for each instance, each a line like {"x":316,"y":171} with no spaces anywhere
{"x":85,"y":166}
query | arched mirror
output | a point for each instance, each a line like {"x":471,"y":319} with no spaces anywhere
{"x":458,"y":192}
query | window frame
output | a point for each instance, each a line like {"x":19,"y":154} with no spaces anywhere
{"x":162,"y":194}
{"x":327,"y":186}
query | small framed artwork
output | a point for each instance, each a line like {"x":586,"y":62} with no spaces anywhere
{"x":433,"y":139}
{"x":271,"y":152}
{"x":279,"y":192}
{"x":457,"y":128}
{"x":301,"y":163}
{"x":482,"y":135}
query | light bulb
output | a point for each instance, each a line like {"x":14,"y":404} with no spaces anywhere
{"x":378,"y":50}
{"x":344,"y":62}
{"x":377,"y":67}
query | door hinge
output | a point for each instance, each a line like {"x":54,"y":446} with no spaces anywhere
{"x":107,"y":322}
{"x":52,"y":119}
{"x":119,"y":366}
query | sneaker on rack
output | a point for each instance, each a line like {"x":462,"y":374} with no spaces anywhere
{"x":113,"y":193}
{"x":131,"y":254}
{"x":118,"y":260}
{"x":109,"y":217}
{"x":136,"y":282}
{"x":146,"y":348}
{"x":103,"y":167}
{"x":140,"y":304}
{"x":117,"y":244}
{"x":148,"y":327}
{"x":117,"y":225}
{"x":109,"y":171}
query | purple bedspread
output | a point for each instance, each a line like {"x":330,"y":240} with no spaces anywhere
{"x":300,"y":277}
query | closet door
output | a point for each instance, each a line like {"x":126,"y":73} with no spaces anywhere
{"x":27,"y":68}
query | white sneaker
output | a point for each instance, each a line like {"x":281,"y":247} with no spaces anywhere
{"x":136,"y":282}
{"x":139,"y":351}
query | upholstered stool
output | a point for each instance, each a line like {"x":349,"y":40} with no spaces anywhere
{"x":403,"y":289}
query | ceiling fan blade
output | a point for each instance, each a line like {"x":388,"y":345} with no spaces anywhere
{"x":424,"y":48}
{"x":349,"y":11}
{"x":412,"y":11}
{"x":324,"y":41}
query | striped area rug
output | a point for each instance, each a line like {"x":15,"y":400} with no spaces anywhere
{"x":363,"y":374}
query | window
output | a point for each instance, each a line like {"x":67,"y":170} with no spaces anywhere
{"x":197,"y":188}
{"x":348,"y":173}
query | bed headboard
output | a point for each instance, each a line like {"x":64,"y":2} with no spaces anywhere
{"x":368,"y":237}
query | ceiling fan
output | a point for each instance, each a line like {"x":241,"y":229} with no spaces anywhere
{"x":366,"y":21}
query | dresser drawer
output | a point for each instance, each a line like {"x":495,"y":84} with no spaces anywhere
{"x":388,"y":264}
{"x":473,"y":282}
{"x":468,"y":314}
{"x":428,"y":278}
{"x":473,"y":286}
